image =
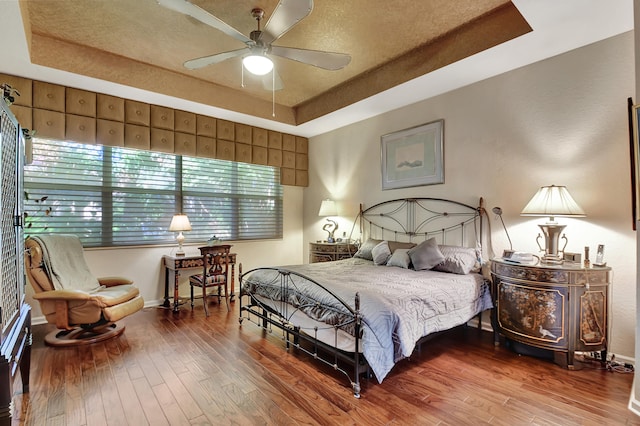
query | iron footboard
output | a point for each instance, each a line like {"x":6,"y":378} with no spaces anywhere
{"x":277,"y":313}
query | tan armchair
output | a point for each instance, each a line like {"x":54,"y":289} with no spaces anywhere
{"x":82,"y":307}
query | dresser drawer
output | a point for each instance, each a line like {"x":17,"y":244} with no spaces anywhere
{"x":326,"y":252}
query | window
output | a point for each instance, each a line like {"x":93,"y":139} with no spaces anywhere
{"x":117,"y":197}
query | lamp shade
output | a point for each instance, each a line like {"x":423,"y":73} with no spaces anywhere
{"x":180,"y":222}
{"x":328,"y":208}
{"x":553,"y":201}
{"x":257,"y":64}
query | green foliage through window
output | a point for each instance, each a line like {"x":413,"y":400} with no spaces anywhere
{"x":112,"y":196}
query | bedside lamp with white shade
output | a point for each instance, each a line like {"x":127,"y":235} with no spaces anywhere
{"x":179,"y":223}
{"x":328,"y":208}
{"x":552,"y":201}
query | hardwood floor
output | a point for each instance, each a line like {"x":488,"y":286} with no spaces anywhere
{"x":185,"y":369}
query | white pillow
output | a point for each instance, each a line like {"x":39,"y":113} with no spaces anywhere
{"x":381,"y":253}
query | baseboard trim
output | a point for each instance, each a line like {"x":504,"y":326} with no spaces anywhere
{"x":634,"y":404}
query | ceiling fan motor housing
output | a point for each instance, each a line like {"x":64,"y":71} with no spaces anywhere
{"x":255,"y":36}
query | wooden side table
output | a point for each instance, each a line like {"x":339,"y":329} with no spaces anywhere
{"x":561,"y":308}
{"x":177,"y":264}
{"x":327,"y":252}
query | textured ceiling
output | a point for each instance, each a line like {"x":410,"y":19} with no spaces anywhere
{"x":143,"y":45}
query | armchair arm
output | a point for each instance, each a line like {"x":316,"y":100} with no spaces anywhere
{"x":112,"y":281}
{"x":62,"y":295}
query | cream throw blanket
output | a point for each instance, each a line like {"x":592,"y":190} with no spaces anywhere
{"x":64,"y":260}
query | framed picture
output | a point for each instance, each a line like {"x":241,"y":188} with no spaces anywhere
{"x":635,"y":165}
{"x":413,"y":157}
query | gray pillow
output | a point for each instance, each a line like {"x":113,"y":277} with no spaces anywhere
{"x":458,"y":260}
{"x":425,"y":255}
{"x":395,"y":245}
{"x":364,"y":252}
{"x":381,"y":253}
{"x":400,"y":258}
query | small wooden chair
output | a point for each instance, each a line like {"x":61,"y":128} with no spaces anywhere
{"x":215,"y":273}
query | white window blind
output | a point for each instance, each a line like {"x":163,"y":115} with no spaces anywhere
{"x":112,"y":196}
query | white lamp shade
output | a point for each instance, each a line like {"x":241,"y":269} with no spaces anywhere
{"x":553,"y":201}
{"x":257,"y":64}
{"x":180,"y":222}
{"x":328,"y":208}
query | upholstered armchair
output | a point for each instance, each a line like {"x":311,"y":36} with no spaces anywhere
{"x":83,"y":308}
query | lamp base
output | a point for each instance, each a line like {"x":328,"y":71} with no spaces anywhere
{"x":551,"y":250}
{"x":552,"y":260}
{"x":330,"y":228}
{"x":180,"y":239}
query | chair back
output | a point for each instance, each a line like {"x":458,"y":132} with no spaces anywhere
{"x":34,"y":267}
{"x":216,"y":260}
{"x":56,"y":262}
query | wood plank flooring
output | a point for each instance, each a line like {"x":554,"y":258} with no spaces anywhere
{"x":185,"y":369}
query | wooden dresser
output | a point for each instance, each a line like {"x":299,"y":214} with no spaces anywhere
{"x":559,"y":308}
{"x":326,"y":252}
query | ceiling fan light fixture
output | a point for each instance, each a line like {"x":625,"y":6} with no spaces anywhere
{"x":257,"y":64}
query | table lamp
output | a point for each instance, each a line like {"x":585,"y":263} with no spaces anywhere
{"x":328,"y":208}
{"x":179,"y":223}
{"x":552,"y":201}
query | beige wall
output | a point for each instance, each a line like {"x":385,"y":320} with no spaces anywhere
{"x":561,"y":121}
{"x":143,"y":264}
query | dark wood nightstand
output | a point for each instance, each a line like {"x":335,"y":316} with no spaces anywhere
{"x":327,"y":252}
{"x":558,"y":308}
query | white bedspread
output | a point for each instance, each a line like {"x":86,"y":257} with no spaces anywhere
{"x":398,"y":306}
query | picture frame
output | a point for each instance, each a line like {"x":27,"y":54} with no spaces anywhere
{"x":413,"y":156}
{"x":634,"y":151}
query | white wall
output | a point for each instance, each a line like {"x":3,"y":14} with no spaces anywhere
{"x":143,"y":264}
{"x":561,"y":121}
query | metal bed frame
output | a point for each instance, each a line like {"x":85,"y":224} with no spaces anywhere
{"x":403,"y":219}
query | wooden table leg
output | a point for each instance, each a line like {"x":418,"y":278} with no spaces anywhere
{"x":167,"y":303}
{"x":176,"y":292}
{"x":233,"y":282}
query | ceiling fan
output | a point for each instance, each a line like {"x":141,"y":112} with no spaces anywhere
{"x":259,"y":43}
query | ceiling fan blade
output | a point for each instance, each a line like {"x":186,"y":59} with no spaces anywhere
{"x":286,"y":14}
{"x":197,"y":63}
{"x":272,"y":81}
{"x":184,"y":7}
{"x":327,"y":60}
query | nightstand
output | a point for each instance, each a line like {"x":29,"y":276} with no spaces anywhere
{"x":559,"y":309}
{"x":327,"y":252}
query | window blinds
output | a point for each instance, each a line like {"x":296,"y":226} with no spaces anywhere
{"x":111,"y":196}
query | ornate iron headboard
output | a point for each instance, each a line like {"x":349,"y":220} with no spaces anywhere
{"x":417,"y":219}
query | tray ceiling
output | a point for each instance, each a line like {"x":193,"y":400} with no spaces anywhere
{"x":143,"y":45}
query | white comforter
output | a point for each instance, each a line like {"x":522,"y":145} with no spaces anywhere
{"x":398,"y":306}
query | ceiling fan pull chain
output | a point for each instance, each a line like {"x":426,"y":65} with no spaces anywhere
{"x":241,"y":75}
{"x":273,"y":92}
